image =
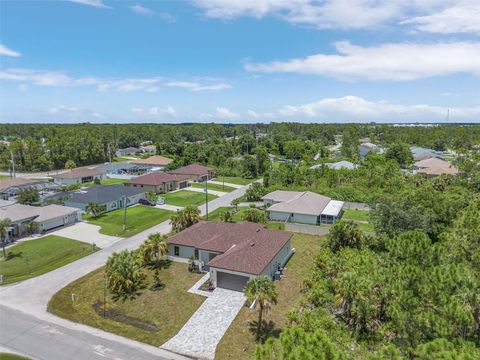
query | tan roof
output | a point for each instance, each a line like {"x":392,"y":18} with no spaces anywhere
{"x":79,"y":173}
{"x":8,"y":183}
{"x":281,"y":195}
{"x":305,"y":203}
{"x":433,"y":171}
{"x":148,"y":147}
{"x":192,"y":169}
{"x":156,"y":178}
{"x":432,"y":162}
{"x":18,"y":212}
{"x":155,"y":160}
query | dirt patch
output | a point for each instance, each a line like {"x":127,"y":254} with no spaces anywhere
{"x":118,"y":316}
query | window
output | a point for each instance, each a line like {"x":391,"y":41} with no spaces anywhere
{"x":176,"y":251}
{"x":196,"y":253}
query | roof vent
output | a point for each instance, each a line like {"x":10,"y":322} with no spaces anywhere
{"x":252,"y":243}
{"x":258,"y":230}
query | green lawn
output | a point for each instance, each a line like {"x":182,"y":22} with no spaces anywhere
{"x":164,"y":311}
{"x":125,"y":158}
{"x":216,"y":216}
{"x":238,"y":343}
{"x":184,"y":198}
{"x":8,"y":356}
{"x":139,"y":218}
{"x":361,"y":217}
{"x":235,"y":180}
{"x":4,"y":177}
{"x":44,"y":255}
{"x":213,"y":187}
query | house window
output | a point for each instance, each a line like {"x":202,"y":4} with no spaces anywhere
{"x":196,"y":253}
{"x":176,"y":251}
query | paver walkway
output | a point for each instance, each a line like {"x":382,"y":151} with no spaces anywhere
{"x":201,"y":334}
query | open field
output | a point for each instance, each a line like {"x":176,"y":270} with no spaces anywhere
{"x":214,"y":187}
{"x":184,"y":198}
{"x":153,"y":317}
{"x":360,"y":217}
{"x":35,"y":257}
{"x":139,"y":218}
{"x":239,"y":342}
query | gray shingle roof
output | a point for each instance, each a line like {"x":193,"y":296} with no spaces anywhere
{"x":103,"y":194}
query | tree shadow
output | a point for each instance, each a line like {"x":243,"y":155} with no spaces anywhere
{"x":158,"y":286}
{"x":162,"y":264}
{"x":12,"y":255}
{"x":267,"y":330}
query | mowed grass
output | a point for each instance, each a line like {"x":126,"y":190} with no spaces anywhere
{"x":184,"y":198}
{"x":216,"y":215}
{"x":139,"y":218}
{"x":213,"y":187}
{"x":239,"y":342}
{"x":361,"y":217}
{"x":8,"y":356}
{"x":167,"y":309}
{"x":235,"y":180}
{"x":44,"y":255}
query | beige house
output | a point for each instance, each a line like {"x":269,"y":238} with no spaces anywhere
{"x":159,"y":182}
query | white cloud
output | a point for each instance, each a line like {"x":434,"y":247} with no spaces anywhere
{"x":224,"y":113}
{"x":142,"y":10}
{"x":354,"y":108}
{"x":94,"y":3}
{"x":397,"y":62}
{"x":155,"y":113}
{"x":71,"y":113}
{"x":257,"y":116}
{"x":5,"y":51}
{"x":462,"y":18}
{"x":195,"y":86}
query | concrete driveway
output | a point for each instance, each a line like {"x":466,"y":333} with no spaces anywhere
{"x":88,"y":233}
{"x":201,"y":334}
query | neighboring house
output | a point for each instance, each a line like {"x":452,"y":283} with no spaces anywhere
{"x":434,"y":167}
{"x":124,"y":168}
{"x":127,"y":151}
{"x":10,"y":188}
{"x":79,"y":176}
{"x":195,"y":172}
{"x":47,"y":217}
{"x":159,"y":182}
{"x":112,"y":196}
{"x":148,"y":148}
{"x":233,"y":253}
{"x":336,"y":166}
{"x":366,"y":147}
{"x":302,"y":207}
{"x":154,"y":162}
{"x":420,"y":153}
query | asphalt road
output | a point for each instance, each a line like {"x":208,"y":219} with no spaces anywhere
{"x":27,"y":327}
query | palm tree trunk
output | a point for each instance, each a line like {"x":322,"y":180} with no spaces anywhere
{"x":260,"y":319}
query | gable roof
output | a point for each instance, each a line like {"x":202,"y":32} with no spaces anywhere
{"x":102,"y":194}
{"x":432,"y":162}
{"x":308,"y":203}
{"x":192,"y":169}
{"x":156,"y":178}
{"x":156,"y":160}
{"x":439,"y":170}
{"x":8,"y":183}
{"x":281,"y":195}
{"x":79,"y":173}
{"x":17,"y":212}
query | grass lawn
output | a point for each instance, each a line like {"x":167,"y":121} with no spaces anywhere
{"x":139,"y":218}
{"x":7,"y":356}
{"x":235,"y":180}
{"x":238,"y":342}
{"x":184,"y":198}
{"x":153,"y":317}
{"x":361,"y":217}
{"x":44,"y":255}
{"x":214,"y":187}
{"x":215,"y":216}
{"x":106,"y":182}
{"x":4,"y":177}
{"x":125,"y":158}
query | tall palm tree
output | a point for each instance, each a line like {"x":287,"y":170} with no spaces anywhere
{"x":124,"y":275}
{"x":185,"y":218}
{"x":4,"y":226}
{"x":261,"y":290}
{"x":95,"y":209}
{"x":152,"y":251}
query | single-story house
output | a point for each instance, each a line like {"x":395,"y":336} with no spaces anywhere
{"x":233,"y":253}
{"x":127,"y":151}
{"x":148,"y":148}
{"x":366,"y":147}
{"x":302,"y":207}
{"x":195,"y":172}
{"x":124,"y":168}
{"x":159,"y":182}
{"x":79,"y":176}
{"x":336,"y":166}
{"x":112,"y":196}
{"x":420,"y":153}
{"x":154,"y":161}
{"x":11,"y":187}
{"x":47,"y":217}
{"x":434,"y":166}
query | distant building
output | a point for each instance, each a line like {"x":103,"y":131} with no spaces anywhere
{"x":127,"y":151}
{"x":195,"y":172}
{"x":148,"y":148}
{"x":367,"y":147}
{"x":336,"y":166}
{"x":79,"y":176}
{"x":159,"y":182}
{"x":434,"y":166}
{"x":10,"y":188}
{"x":155,"y":161}
{"x":420,"y":153}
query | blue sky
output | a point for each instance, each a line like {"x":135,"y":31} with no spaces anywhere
{"x":239,"y":61}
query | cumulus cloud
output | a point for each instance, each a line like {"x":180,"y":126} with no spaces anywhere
{"x":72,"y":113}
{"x":155,"y":113}
{"x":5,"y":51}
{"x":195,"y":86}
{"x":143,"y":10}
{"x":94,"y":3}
{"x":260,"y":116}
{"x":393,"y":61}
{"x":221,"y":113}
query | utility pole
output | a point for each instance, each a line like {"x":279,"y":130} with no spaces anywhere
{"x":206,"y":198}
{"x":12,"y":159}
{"x":125,"y":211}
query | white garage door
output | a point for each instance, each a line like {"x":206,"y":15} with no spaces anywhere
{"x":231,"y":281}
{"x":52,"y":224}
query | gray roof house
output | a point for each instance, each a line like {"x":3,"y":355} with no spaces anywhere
{"x":110,"y":195}
{"x":79,"y":176}
{"x":302,"y":207}
{"x":420,"y":153}
{"x":336,"y":166}
{"x":366,"y":147}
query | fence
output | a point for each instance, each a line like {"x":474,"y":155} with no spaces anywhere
{"x":307,"y":229}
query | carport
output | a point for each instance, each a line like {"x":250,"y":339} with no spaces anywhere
{"x":231,"y":281}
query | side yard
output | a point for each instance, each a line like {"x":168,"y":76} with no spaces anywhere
{"x":239,"y":342}
{"x":361,"y":217}
{"x":216,"y":216}
{"x":235,"y":180}
{"x":184,"y":198}
{"x":139,"y":218}
{"x":153,"y":317}
{"x":35,"y":257}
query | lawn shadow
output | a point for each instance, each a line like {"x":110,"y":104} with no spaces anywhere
{"x":12,"y":255}
{"x":267,"y":330}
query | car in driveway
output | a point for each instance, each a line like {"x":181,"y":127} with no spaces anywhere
{"x":147,"y":202}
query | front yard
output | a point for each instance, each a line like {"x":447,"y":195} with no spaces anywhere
{"x":239,"y":342}
{"x":153,"y":317}
{"x":184,"y":198}
{"x":139,"y":218}
{"x":215,"y":187}
{"x":35,"y":257}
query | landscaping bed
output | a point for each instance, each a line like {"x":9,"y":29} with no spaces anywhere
{"x":35,"y":257}
{"x":185,"y":198}
{"x":153,"y":317}
{"x":139,"y":218}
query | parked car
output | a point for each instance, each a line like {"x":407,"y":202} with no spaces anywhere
{"x":147,"y":202}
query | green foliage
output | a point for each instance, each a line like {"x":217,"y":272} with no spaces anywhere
{"x":4,"y":226}
{"x":125,"y":277}
{"x":95,"y":209}
{"x":152,"y":253}
{"x":255,"y":215}
{"x":255,"y":192}
{"x":28,"y":196}
{"x":185,"y":218}
{"x":400,"y":153}
{"x":227,"y":216}
{"x":345,"y":234}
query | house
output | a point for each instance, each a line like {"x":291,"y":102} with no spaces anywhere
{"x":127,"y":151}
{"x":157,"y":162}
{"x":159,"y":182}
{"x":434,"y":166}
{"x":79,"y":176}
{"x":124,"y":168}
{"x":195,"y":172}
{"x":47,"y":217}
{"x":148,"y":148}
{"x":336,"y":166}
{"x":302,"y":207}
{"x":420,"y":153}
{"x":10,"y":188}
{"x":233,"y":253}
{"x":112,"y":196}
{"x":366,"y":147}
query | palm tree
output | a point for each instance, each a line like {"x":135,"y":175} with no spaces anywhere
{"x":125,"y":277}
{"x":70,"y":165}
{"x":4,"y":226}
{"x":262,"y":291}
{"x":235,"y":203}
{"x":93,"y":208}
{"x":185,"y":218}
{"x":152,"y":251}
{"x":226,"y":216}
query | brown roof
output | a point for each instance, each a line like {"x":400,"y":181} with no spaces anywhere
{"x":245,"y":247}
{"x":433,"y":171}
{"x":79,"y":173}
{"x":156,"y":178}
{"x":8,"y":183}
{"x":148,"y":148}
{"x":192,"y":169}
{"x":156,"y":160}
{"x":432,"y":162}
